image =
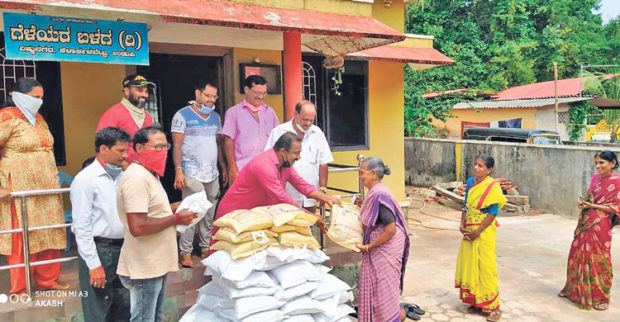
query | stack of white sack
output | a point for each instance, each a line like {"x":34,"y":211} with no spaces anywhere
{"x":277,"y":284}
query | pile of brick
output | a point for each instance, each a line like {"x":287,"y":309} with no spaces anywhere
{"x":451,"y":194}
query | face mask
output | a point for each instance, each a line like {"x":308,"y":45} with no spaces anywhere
{"x":153,"y":160}
{"x":205,"y":109}
{"x":301,"y":129}
{"x":28,"y":105}
{"x":113,"y":169}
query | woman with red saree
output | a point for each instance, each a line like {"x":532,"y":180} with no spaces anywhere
{"x":476,"y":268}
{"x":385,"y":248}
{"x":589,"y":271}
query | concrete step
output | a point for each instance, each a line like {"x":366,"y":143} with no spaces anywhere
{"x":181,"y":294}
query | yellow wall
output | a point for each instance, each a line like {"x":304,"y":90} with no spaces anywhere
{"x":242,"y":55}
{"x":528,"y":116}
{"x":386,"y":128}
{"x":347,"y":7}
{"x":393,"y":16}
{"x":87,"y":91}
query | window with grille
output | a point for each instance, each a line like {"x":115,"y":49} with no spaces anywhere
{"x":563,"y":117}
{"x":12,"y":70}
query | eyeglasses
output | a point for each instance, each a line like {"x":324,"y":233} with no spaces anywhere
{"x":160,"y":147}
{"x":263,"y":94}
{"x":214,"y":97}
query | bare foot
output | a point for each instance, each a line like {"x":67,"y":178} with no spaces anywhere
{"x":56,"y":286}
{"x":494,"y":316}
{"x":186,"y":261}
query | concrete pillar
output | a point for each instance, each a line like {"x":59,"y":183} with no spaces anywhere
{"x":293,"y":85}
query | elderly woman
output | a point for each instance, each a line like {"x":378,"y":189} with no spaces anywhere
{"x":27,"y":163}
{"x":385,"y":247}
{"x":476,"y":268}
{"x":589,"y":271}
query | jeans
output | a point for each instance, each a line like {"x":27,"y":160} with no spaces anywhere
{"x":147,"y":298}
{"x":186,"y":242}
{"x":110,"y":303}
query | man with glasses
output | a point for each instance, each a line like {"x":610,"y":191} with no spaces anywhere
{"x":149,"y":250}
{"x":129,"y":114}
{"x":247,"y":126}
{"x":196,"y":153}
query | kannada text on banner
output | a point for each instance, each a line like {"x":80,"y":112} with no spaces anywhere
{"x":32,"y":37}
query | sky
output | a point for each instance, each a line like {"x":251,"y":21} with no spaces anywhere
{"x":609,"y":9}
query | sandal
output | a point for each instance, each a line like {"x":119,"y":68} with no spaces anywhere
{"x":562,"y":294}
{"x":186,"y":261}
{"x":409,"y":312}
{"x":601,"y":306}
{"x":412,"y":307}
{"x":474,"y":310}
{"x":494,"y":316}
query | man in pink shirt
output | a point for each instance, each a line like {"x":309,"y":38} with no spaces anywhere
{"x":263,"y":180}
{"x":129,"y":113}
{"x":247,"y":126}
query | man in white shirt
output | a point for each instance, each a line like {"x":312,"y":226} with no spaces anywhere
{"x":315,"y":152}
{"x":98,"y":229}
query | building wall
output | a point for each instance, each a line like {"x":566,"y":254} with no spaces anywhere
{"x":393,"y":16}
{"x":386,"y":128}
{"x":334,"y":6}
{"x":552,"y":176}
{"x":242,"y":55}
{"x":545,"y":120}
{"x":87,"y":91}
{"x":453,"y":124}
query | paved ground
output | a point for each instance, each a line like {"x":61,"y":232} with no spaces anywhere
{"x":532,"y":253}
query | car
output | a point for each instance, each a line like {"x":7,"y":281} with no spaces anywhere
{"x":512,"y":135}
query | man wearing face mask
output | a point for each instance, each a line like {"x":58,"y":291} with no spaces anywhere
{"x":129,"y":114}
{"x":196,"y":153}
{"x":149,"y":251}
{"x":315,"y":152}
{"x":98,"y":230}
{"x":262,"y":182}
{"x":247,"y":126}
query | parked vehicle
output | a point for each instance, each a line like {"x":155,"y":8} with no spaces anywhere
{"x":512,"y":135}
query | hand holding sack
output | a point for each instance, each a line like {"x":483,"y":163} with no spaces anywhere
{"x":345,"y":228}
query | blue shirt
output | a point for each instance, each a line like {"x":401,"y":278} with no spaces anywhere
{"x":491,"y":210}
{"x":199,"y":143}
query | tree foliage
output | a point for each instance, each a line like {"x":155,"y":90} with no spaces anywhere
{"x":501,"y":43}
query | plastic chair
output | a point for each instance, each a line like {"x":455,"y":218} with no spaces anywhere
{"x":66,"y":178}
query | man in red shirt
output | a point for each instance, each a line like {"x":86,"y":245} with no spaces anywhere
{"x":129,"y":113}
{"x":262,"y":181}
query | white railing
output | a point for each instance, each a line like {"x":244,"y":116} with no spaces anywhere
{"x":25,"y":230}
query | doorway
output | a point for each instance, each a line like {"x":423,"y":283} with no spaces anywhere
{"x":175,"y":77}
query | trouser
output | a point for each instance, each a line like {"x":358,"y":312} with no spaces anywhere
{"x":146,"y":298}
{"x":205,"y":225}
{"x":110,"y":303}
{"x":45,"y":276}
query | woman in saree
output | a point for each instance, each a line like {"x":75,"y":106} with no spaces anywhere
{"x":589,"y":272}
{"x":385,"y":248}
{"x":476,"y":268}
{"x":27,"y":163}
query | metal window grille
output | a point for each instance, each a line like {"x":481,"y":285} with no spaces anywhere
{"x":11,"y":70}
{"x":563,"y":117}
{"x":309,"y":82}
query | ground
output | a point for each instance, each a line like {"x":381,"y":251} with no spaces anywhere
{"x":531,"y":253}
